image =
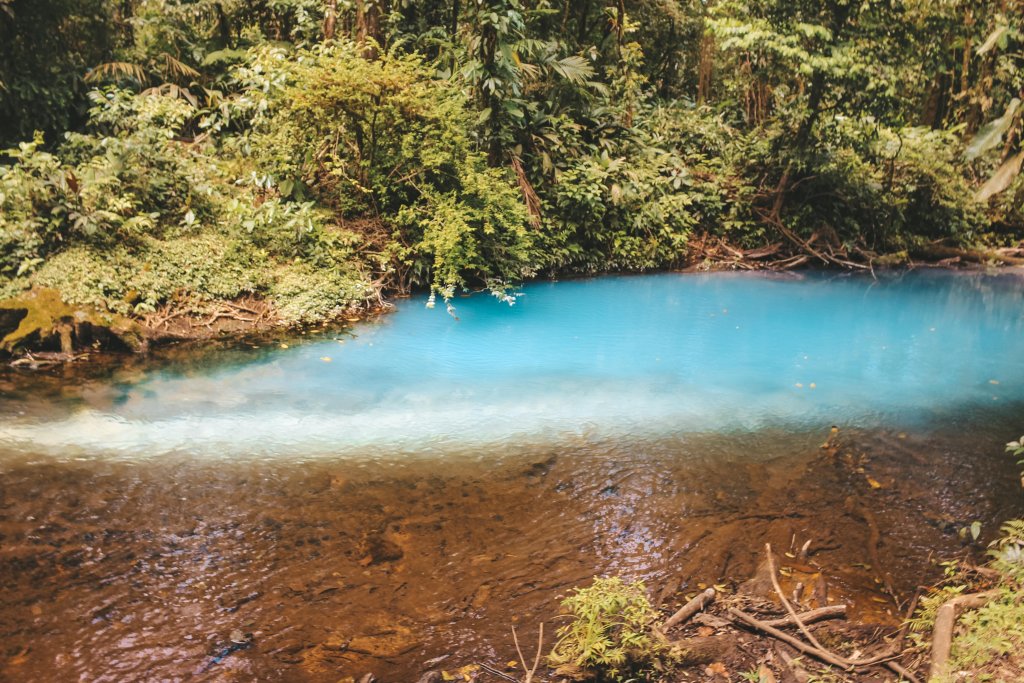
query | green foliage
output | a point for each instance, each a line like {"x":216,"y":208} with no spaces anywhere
{"x":1008,"y":551}
{"x":1016,"y":449}
{"x":46,"y":46}
{"x":208,"y":266}
{"x":126,"y":218}
{"x":305,"y":295}
{"x":474,"y":144}
{"x":988,"y":634}
{"x":609,"y":636}
{"x":103,"y":189}
{"x":385,"y":141}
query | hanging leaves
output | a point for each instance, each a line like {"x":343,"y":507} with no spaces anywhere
{"x":991,"y":134}
{"x":993,"y":38}
{"x":1002,"y":178}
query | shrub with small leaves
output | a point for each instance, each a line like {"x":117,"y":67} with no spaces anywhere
{"x":609,"y":637}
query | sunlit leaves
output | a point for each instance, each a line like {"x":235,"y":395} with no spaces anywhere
{"x":991,"y":134}
{"x":1002,"y":178}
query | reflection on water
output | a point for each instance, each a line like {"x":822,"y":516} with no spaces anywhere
{"x":374,"y":501}
{"x":654,"y":355}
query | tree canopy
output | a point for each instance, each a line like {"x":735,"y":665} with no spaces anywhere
{"x":320,"y":149}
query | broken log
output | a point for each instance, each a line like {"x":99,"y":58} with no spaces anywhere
{"x":686,"y":612}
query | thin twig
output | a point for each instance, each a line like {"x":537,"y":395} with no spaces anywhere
{"x":536,"y":662}
{"x":818,"y":653}
{"x":785,"y":603}
{"x":495,"y":672}
{"x":847,"y":663}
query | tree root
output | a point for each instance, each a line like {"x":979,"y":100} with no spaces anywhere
{"x":945,"y":621}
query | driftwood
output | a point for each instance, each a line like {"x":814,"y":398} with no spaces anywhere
{"x":820,"y":651}
{"x":817,"y":653}
{"x":945,"y":621}
{"x":686,"y":612}
{"x":811,"y":616}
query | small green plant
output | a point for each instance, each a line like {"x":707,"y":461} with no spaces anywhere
{"x":609,"y":637}
{"x":1008,"y":551}
{"x":1016,"y":449}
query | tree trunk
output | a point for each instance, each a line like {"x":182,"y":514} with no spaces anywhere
{"x":368,"y":27}
{"x":330,"y":19}
{"x":223,"y":25}
{"x":706,"y":66}
{"x":581,"y":27}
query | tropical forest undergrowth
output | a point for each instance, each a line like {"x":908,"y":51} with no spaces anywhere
{"x":197,"y":166}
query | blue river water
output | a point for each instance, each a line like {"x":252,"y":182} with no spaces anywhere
{"x":632,"y":356}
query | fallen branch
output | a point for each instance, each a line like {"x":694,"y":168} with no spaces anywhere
{"x":945,"y":621}
{"x":811,"y":616}
{"x":785,"y":603}
{"x":686,"y":612}
{"x":817,"y":653}
{"x":846,"y":663}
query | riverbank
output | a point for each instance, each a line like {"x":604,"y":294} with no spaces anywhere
{"x":38,"y":329}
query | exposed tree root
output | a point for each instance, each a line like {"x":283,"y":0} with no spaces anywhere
{"x":945,"y":621}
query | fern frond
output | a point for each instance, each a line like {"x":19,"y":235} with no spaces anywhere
{"x":116,"y":71}
{"x":176,"y":67}
{"x":172,"y":90}
{"x":574,"y":68}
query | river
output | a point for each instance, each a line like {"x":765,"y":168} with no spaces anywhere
{"x":406,"y":489}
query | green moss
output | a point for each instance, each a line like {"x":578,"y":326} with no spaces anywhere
{"x":47,"y":314}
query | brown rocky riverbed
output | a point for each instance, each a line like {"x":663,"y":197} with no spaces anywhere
{"x":270,"y":570}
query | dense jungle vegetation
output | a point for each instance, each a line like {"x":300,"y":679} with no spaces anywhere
{"x":165,"y":154}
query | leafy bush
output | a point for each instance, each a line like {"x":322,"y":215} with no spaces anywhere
{"x":101,"y":189}
{"x":609,"y":636}
{"x":306,"y":295}
{"x":126,"y":218}
{"x":385,"y":140}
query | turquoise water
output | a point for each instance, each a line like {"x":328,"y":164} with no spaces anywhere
{"x":643,"y":356}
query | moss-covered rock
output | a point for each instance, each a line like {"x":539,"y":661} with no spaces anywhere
{"x":41,"y":319}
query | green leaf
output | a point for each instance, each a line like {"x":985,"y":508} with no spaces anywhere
{"x":1001,"y":179}
{"x":991,"y":134}
{"x":992,"y":39}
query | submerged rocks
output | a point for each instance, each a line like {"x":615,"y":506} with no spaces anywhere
{"x":380,"y":550}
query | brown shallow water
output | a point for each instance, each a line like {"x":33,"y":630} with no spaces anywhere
{"x":146,"y":570}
